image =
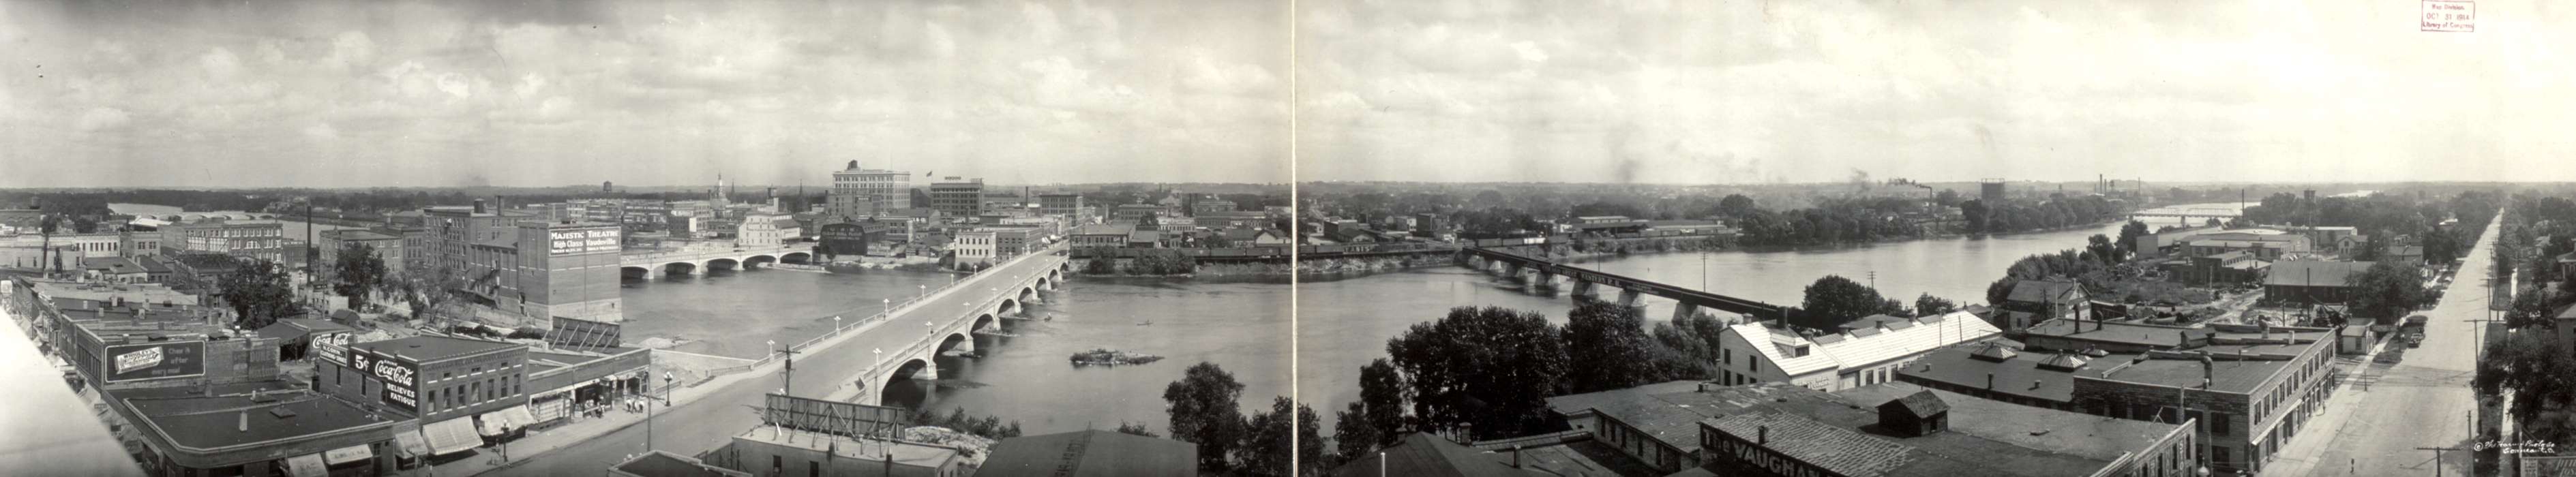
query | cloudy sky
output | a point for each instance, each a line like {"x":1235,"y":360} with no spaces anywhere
{"x":1746,"y":91}
{"x":509,"y":92}
{"x":221,"y":93}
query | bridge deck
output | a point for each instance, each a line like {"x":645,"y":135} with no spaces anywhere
{"x":1756,"y":309}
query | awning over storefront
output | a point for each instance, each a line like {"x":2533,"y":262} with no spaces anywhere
{"x":501,"y":422}
{"x":410,"y":443}
{"x":451,"y":436}
{"x":308,"y":465}
{"x":349,"y":454}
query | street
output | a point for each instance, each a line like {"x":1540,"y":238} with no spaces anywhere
{"x":2423,"y":401}
{"x":727,"y":410}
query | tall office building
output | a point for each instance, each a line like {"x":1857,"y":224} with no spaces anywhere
{"x":958,"y":197}
{"x":864,"y":192}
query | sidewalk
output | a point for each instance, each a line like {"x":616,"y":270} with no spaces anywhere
{"x":2300,"y":456}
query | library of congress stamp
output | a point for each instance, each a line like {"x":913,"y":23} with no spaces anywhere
{"x":2450,"y":16}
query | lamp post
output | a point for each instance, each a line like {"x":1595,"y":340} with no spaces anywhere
{"x":836,"y":324}
{"x":925,"y":292}
{"x":889,"y":307}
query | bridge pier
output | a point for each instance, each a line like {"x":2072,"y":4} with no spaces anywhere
{"x":967,"y":346}
{"x":1586,"y":290}
{"x":1628,"y":298}
{"x":651,"y":273}
{"x":1542,"y":281}
{"x":929,"y":372}
{"x":1683,"y":310}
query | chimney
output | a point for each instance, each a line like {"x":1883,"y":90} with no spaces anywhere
{"x":244,"y":425}
{"x":1990,"y":381}
{"x":478,"y":206}
{"x":2034,"y":384}
{"x":1762,"y":436}
{"x":1516,"y":457}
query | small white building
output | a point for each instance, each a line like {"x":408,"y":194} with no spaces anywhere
{"x":759,"y":231}
{"x":1867,"y":351}
{"x":975,"y":246}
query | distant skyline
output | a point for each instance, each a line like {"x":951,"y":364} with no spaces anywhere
{"x":539,"y":94}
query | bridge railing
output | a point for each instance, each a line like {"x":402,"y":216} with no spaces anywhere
{"x":878,"y":317}
{"x":693,"y":255}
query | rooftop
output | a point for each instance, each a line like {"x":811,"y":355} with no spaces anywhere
{"x":2159,"y":336}
{"x":227,"y":420}
{"x":292,"y":328}
{"x":1668,"y":412}
{"x":2014,"y":373}
{"x":131,"y":292}
{"x":666,"y":464}
{"x":2313,"y":272}
{"x":1425,"y":455}
{"x":432,"y":347}
{"x":357,"y":235}
{"x":1840,"y":432}
{"x":1875,"y":340}
{"x":907,"y":453}
{"x":111,"y":265}
{"x":2037,"y":291}
{"x":1091,"y":453}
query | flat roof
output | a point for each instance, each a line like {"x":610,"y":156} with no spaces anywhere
{"x":2018,"y":375}
{"x":665,"y":464}
{"x":2162,"y":336}
{"x":1670,"y":412}
{"x":433,"y":347}
{"x":1091,"y":453}
{"x":907,"y":453}
{"x":229,"y":420}
{"x":143,"y":292}
{"x":1424,"y":455}
{"x":1840,"y":431}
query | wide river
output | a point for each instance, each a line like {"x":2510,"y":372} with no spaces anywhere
{"x":1244,"y":325}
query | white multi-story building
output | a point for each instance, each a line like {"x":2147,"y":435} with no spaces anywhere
{"x":864,"y":192}
{"x":975,"y":246}
{"x":758,"y":231}
{"x":1864,"y":352}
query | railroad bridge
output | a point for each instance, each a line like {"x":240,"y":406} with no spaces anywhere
{"x":1541,"y":273}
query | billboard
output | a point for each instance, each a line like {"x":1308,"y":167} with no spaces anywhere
{"x":568,"y":242}
{"x":574,"y":332}
{"x":332,"y":346}
{"x":834,"y":417}
{"x":136,"y":362}
{"x":402,"y":390}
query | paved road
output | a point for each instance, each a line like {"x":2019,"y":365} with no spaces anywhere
{"x":2426,"y":400}
{"x":712,"y":420}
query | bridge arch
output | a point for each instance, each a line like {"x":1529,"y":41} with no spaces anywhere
{"x":796,"y":257}
{"x":985,"y":322}
{"x":960,"y":341}
{"x":756,"y":261}
{"x":905,"y":372}
{"x":680,"y":268}
{"x":1043,"y":283}
{"x":714,"y":264}
{"x":1008,"y":306}
{"x":1028,"y":293}
{"x":635,"y":271}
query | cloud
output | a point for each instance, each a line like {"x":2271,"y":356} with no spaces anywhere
{"x":321,"y":132}
{"x":102,"y":118}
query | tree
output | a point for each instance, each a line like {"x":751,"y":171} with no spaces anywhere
{"x":1265,"y":449}
{"x":2212,"y":222}
{"x":1203,"y":411}
{"x":2105,"y":251}
{"x":1608,"y":342}
{"x":2387,"y":290}
{"x":1834,"y":300}
{"x":359,"y":271}
{"x":428,"y":291}
{"x":259,"y":294}
{"x":1353,"y":434}
{"x":1928,"y":305}
{"x":1735,"y":205}
{"x":1135,"y":429}
{"x":1974,"y":211}
{"x":1491,"y":368}
{"x":2129,"y":234}
{"x":1100,"y":266}
{"x":1695,"y":335}
{"x":1383,"y":396}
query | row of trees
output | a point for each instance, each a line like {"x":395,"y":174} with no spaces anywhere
{"x":1150,"y":263}
{"x":1484,"y":372}
{"x":2021,"y":216}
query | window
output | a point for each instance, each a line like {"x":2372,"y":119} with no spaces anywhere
{"x":2218,"y":423}
{"x":777,"y":462}
{"x":813,"y":469}
{"x":1754,"y":365}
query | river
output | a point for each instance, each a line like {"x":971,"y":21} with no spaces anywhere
{"x":1242,"y":325}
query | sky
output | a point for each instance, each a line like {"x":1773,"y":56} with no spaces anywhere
{"x":537,"y":93}
{"x":1823,"y":91}
{"x":197,"y":93}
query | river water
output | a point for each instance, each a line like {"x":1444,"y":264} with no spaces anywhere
{"x":1243,"y":325}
